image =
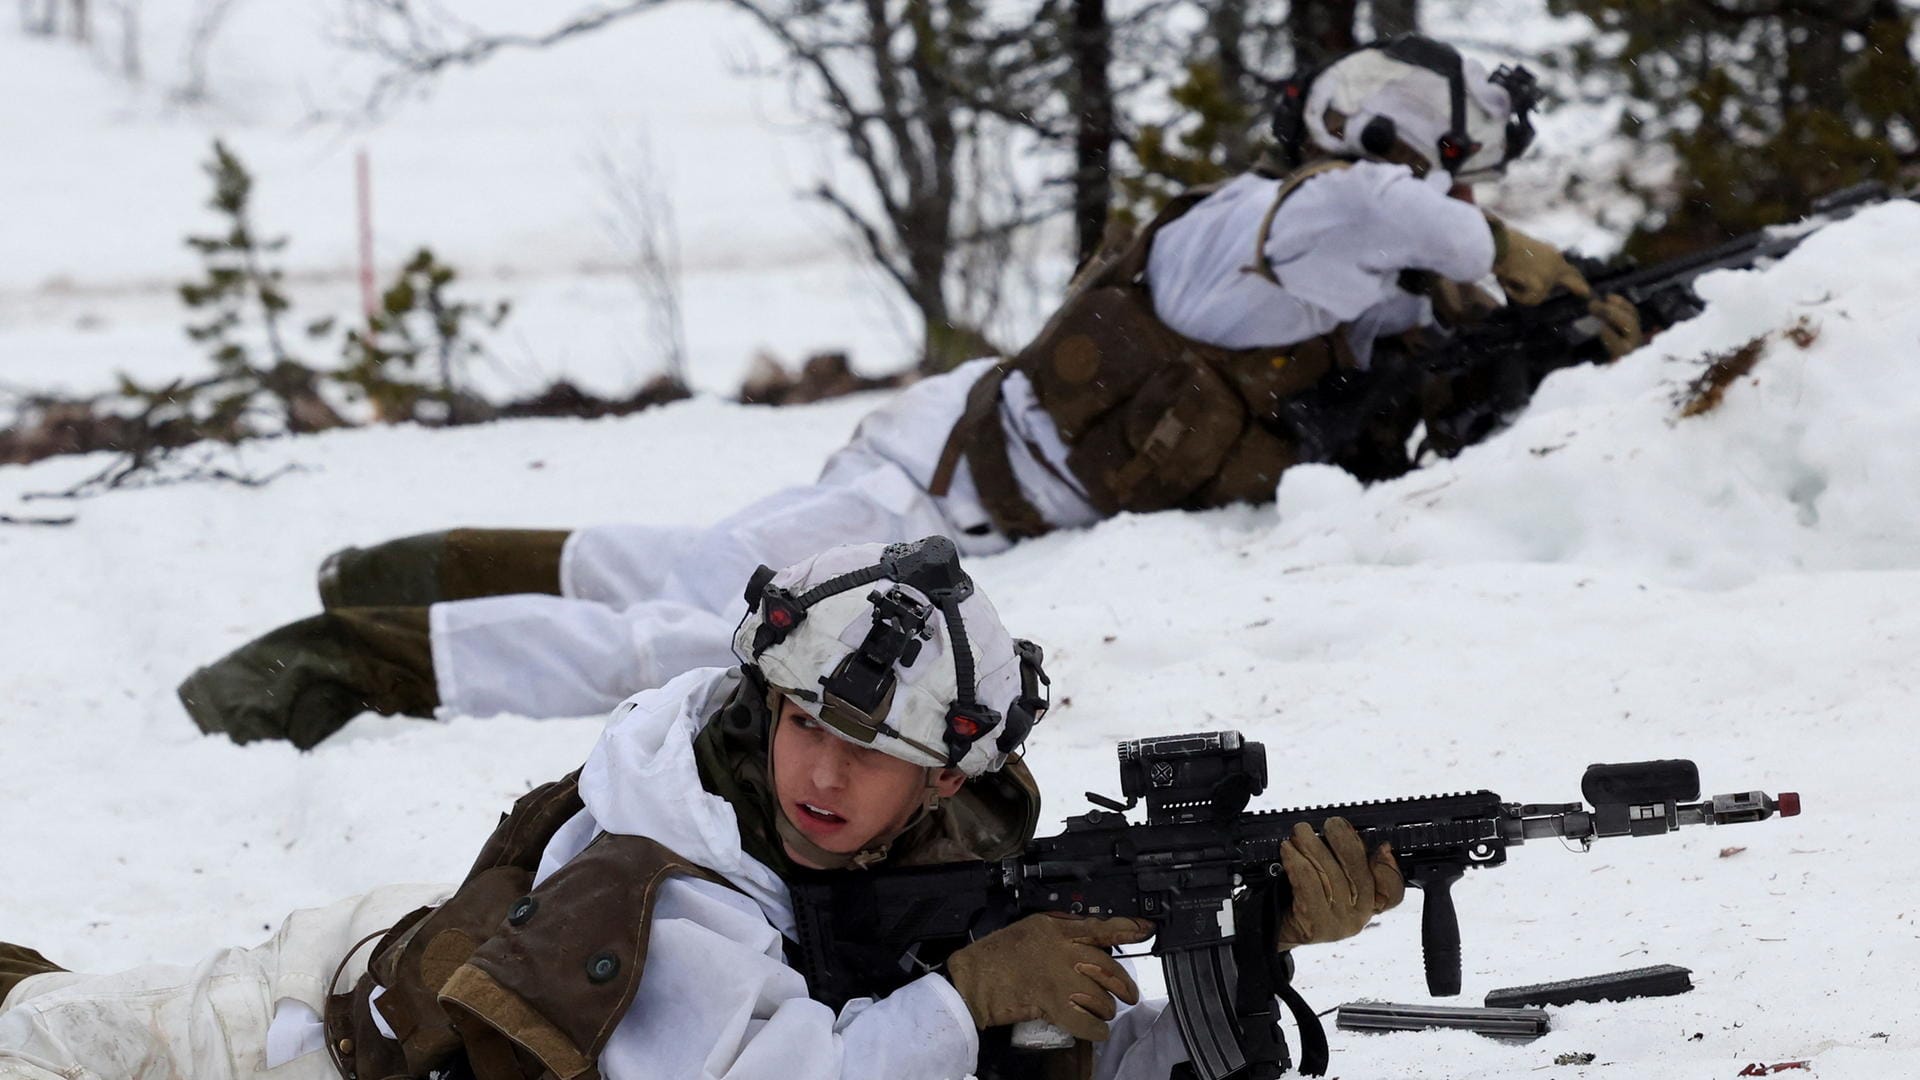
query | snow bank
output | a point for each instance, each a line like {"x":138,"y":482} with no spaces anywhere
{"x":1809,"y":464}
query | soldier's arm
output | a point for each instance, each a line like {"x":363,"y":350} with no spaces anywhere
{"x":1415,"y":225}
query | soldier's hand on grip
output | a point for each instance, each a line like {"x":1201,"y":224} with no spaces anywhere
{"x":1049,"y":967}
{"x":1337,"y":886}
{"x":1620,"y":329}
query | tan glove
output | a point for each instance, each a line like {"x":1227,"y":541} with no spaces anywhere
{"x":1619,"y":324}
{"x":1048,"y":967}
{"x":1337,"y":887}
{"x":1530,"y":269}
{"x":1458,"y":304}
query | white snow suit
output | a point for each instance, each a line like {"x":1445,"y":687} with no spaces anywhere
{"x":641,"y":603}
{"x":717,"y":999}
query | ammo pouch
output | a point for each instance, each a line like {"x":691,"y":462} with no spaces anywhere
{"x":519,"y":991}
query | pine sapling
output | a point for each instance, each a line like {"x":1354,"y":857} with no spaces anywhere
{"x":410,"y":362}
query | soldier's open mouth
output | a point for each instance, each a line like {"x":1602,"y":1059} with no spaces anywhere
{"x":810,"y":812}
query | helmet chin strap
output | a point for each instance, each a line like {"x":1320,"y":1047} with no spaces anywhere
{"x":798,"y":843}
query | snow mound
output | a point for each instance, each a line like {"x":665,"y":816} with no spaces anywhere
{"x":1798,"y":467}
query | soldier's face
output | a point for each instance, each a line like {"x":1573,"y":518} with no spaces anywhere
{"x":842,"y":796}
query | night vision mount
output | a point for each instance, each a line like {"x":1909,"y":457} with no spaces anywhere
{"x":1456,"y":145}
{"x":861,"y":688}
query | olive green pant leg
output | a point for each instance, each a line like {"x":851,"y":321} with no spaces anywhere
{"x":458,"y":564}
{"x":19,"y":963}
{"x":305,"y":680}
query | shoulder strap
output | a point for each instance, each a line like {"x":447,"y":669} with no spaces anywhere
{"x":553,"y":981}
{"x":1132,"y":262}
{"x":1260,"y":264}
{"x":522,"y":835}
{"x":983,"y":402}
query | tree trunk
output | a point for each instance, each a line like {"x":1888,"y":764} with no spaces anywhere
{"x":1395,"y":17}
{"x":1227,"y":22}
{"x":130,"y":67}
{"x":1094,"y":125}
{"x":1321,"y":30}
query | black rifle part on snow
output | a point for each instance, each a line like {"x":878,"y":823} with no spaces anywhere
{"x":1660,"y":980}
{"x":1505,"y":1024}
{"x":1207,"y":872}
{"x":1469,"y":385}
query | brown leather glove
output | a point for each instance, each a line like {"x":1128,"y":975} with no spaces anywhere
{"x":1529,"y":269}
{"x":1619,"y":324}
{"x":1049,"y":967}
{"x":1337,"y":886}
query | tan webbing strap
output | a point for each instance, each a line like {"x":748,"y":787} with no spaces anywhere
{"x":1127,"y":268}
{"x":978,"y":436}
{"x":1291,"y":184}
{"x":999,"y":488}
{"x":983,"y":401}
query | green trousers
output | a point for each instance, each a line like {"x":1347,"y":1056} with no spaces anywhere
{"x":370,"y":649}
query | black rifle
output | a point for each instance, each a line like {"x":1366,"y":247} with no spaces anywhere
{"x":1471,"y":384}
{"x":1207,"y":872}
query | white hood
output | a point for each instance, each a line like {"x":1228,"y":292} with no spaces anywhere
{"x":641,"y":780}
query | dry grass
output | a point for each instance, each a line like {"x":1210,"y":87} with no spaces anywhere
{"x":1709,"y":388}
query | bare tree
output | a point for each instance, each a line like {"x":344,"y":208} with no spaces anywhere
{"x":127,"y":46}
{"x":1391,"y":18}
{"x":1097,"y":126}
{"x":1322,"y":29}
{"x":209,"y":17}
{"x":44,"y":19}
{"x":900,"y":81}
{"x":641,"y":225}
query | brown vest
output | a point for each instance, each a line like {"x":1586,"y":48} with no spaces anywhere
{"x":1152,"y":420}
{"x":528,"y":982}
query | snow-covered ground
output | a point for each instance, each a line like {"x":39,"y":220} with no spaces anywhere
{"x":1603,"y":582}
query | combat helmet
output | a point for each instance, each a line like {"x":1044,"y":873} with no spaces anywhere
{"x":1411,"y":100}
{"x":891,"y":647}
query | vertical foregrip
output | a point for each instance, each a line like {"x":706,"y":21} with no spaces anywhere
{"x":1439,"y":926}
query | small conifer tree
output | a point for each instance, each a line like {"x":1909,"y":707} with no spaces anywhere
{"x":1208,"y":143}
{"x":409,"y":362}
{"x":243,"y":321}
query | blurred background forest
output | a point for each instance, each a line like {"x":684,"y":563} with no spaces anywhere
{"x":979,"y":150}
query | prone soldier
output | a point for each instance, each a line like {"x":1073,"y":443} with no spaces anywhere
{"x":634,"y":919}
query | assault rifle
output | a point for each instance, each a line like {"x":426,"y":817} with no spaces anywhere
{"x":1207,"y":872}
{"x":1472,"y":384}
